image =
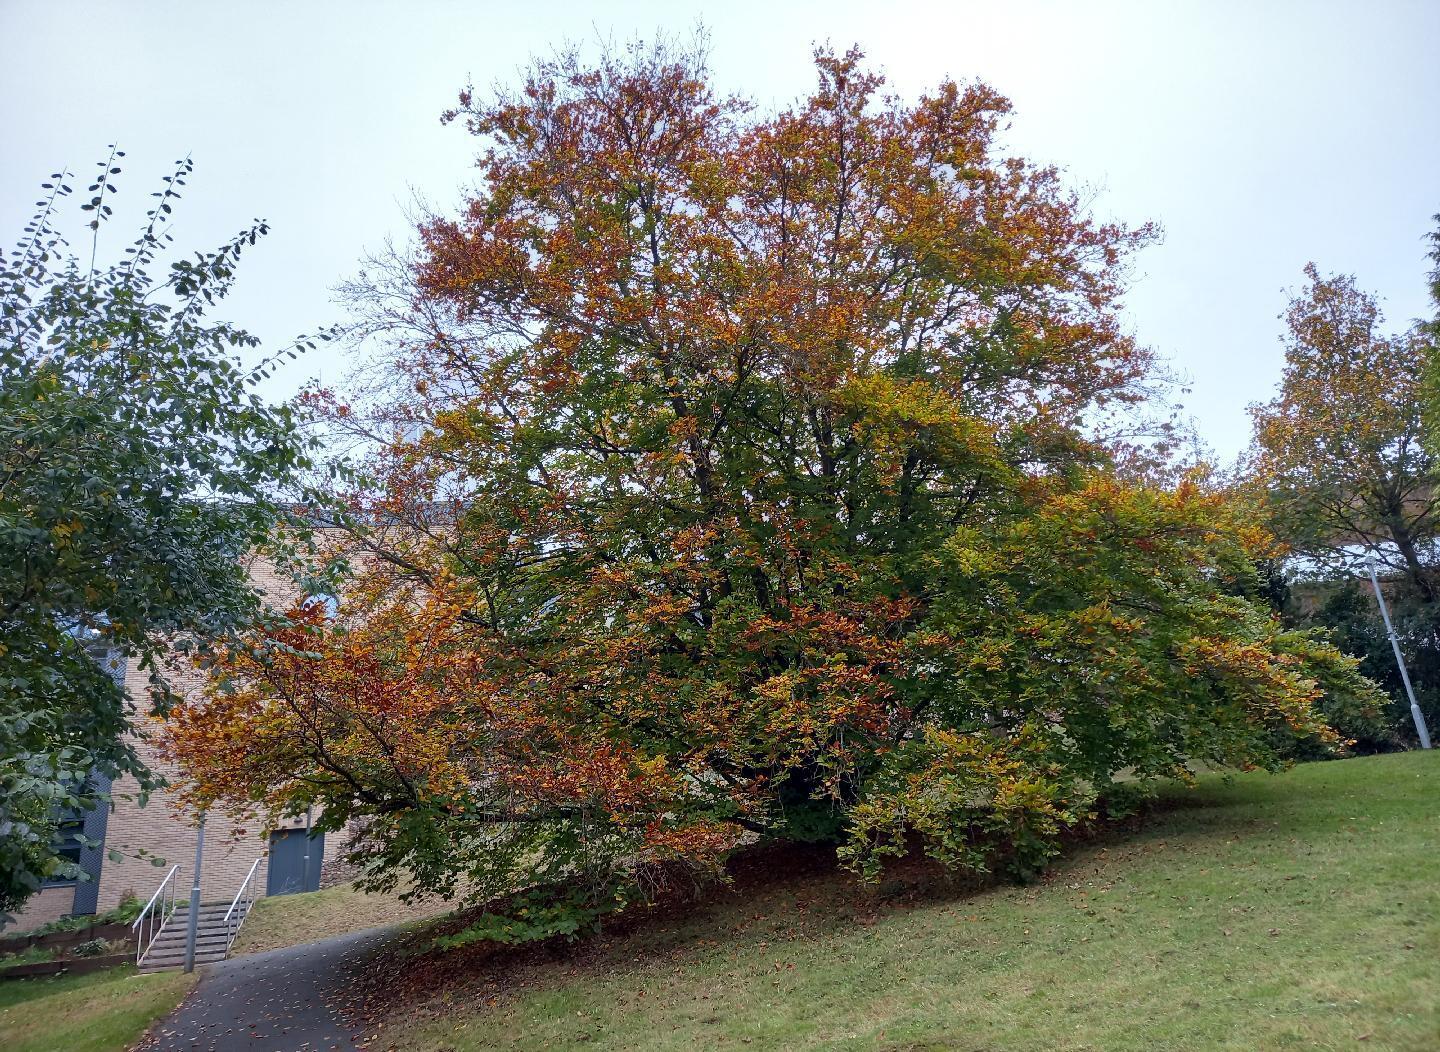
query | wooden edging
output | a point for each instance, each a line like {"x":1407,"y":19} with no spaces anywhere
{"x":58,"y":939}
{"x":71,"y":965}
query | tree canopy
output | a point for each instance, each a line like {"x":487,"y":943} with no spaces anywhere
{"x":137,"y":468}
{"x":741,"y":485}
{"x":1430,"y":331}
{"x":1345,"y":459}
{"x":1341,"y":448}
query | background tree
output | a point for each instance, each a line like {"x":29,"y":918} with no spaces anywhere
{"x":1340,"y":447}
{"x":137,"y":468}
{"x":1430,"y":330}
{"x":1348,"y":473}
{"x":742,"y":484}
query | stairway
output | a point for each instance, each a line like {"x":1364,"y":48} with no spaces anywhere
{"x":211,"y":937}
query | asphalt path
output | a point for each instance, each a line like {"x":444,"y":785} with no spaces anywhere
{"x":285,"y":1000}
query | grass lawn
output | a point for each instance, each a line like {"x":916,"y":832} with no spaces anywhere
{"x":286,"y":920}
{"x":103,"y":1011}
{"x":1289,"y":912}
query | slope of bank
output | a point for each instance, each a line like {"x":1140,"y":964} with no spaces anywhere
{"x":1291,"y":911}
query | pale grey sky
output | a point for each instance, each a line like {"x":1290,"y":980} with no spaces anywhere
{"x":1261,"y":134}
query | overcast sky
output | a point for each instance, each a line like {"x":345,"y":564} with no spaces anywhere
{"x":1260,"y":134}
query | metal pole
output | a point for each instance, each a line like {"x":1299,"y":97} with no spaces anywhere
{"x":1415,"y":713}
{"x":193,"y":926}
{"x":305,"y":872}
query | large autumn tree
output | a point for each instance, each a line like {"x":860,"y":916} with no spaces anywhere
{"x":742,"y":484}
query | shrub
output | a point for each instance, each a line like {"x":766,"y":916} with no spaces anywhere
{"x":1348,"y":613}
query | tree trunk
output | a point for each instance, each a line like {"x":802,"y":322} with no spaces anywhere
{"x":1414,"y":569}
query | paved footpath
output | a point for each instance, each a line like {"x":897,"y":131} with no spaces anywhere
{"x":281,"y":1001}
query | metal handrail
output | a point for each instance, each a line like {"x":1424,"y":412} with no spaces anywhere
{"x":232,"y":919}
{"x":148,"y":923}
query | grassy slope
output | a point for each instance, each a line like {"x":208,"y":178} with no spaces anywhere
{"x":286,"y":920}
{"x":1299,"y":911}
{"x":101,"y":1012}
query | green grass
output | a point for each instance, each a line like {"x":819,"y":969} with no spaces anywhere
{"x":287,"y":920}
{"x":1289,"y":912}
{"x":29,"y":955}
{"x":104,"y":1011}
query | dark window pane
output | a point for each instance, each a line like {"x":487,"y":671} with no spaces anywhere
{"x":67,"y":841}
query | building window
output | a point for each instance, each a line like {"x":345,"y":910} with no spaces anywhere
{"x":68,"y":845}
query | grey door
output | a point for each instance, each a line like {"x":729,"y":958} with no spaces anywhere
{"x":289,"y":872}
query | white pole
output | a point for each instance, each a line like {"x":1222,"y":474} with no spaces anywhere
{"x":305,"y":871}
{"x":1415,"y":713}
{"x":193,"y":927}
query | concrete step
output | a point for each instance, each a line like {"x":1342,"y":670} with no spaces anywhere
{"x":205,"y":911}
{"x":172,"y":951}
{"x":174,"y":962}
{"x":180,"y":934}
{"x":201,"y":939}
{"x":203,"y":923}
{"x":178,"y":949}
{"x":205,"y":907}
{"x":203,"y":920}
{"x":216,"y":920}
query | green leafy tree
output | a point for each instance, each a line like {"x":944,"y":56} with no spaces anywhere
{"x":1430,"y":331}
{"x":137,"y":466}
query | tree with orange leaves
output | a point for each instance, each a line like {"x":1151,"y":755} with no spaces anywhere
{"x":743,"y":488}
{"x":1350,"y":474}
{"x":1341,"y":447}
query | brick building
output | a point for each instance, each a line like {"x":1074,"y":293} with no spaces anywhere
{"x":158,"y":831}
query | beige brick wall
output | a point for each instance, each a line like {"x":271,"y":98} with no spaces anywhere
{"x":50,"y":904}
{"x":158,"y":830}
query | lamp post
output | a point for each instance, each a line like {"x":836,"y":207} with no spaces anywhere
{"x":1415,"y":713}
{"x":193,"y":927}
{"x":305,"y":871}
